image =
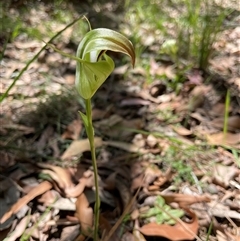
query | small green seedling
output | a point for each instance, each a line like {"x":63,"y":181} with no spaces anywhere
{"x":162,"y":213}
{"x":93,"y":68}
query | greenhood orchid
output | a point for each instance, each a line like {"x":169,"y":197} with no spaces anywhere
{"x":93,"y":68}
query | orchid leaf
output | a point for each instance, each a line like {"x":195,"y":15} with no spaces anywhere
{"x":85,"y":119}
{"x":95,"y":65}
{"x":85,"y":122}
{"x":92,"y":75}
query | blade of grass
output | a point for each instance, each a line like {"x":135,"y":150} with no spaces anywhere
{"x":4,"y":48}
{"x":236,"y":156}
{"x":2,"y":97}
{"x":209,"y":231}
{"x":226,"y":113}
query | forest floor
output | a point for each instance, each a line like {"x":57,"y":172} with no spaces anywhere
{"x":167,"y":170}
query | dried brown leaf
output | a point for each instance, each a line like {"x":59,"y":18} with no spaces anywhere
{"x":184,"y":200}
{"x":135,"y":214}
{"x":25,"y":129}
{"x":77,"y":147}
{"x":86,"y":181}
{"x":233,"y":123}
{"x":136,"y":233}
{"x":84,"y":214}
{"x":58,"y":174}
{"x":221,"y":139}
{"x":133,"y":102}
{"x":19,"y":230}
{"x":48,"y":197}
{"x":152,"y":141}
{"x":36,"y":191}
{"x":180,"y":231}
{"x":182,"y":131}
{"x":69,"y":233}
{"x":222,"y":175}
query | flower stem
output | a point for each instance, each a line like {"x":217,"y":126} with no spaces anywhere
{"x":90,"y":133}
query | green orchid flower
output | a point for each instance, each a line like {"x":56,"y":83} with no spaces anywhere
{"x":94,"y":65}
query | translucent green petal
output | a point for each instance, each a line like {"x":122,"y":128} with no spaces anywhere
{"x":92,"y":71}
{"x":92,"y":75}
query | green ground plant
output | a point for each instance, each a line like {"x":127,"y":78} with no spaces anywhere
{"x":185,"y":30}
{"x":162,"y":212}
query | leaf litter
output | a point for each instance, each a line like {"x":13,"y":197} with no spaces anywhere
{"x":147,"y":138}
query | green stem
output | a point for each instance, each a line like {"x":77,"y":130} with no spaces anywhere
{"x":90,"y":133}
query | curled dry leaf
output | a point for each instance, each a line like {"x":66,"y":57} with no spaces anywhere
{"x":21,"y":227}
{"x":152,"y":172}
{"x":136,"y":233}
{"x":180,"y":231}
{"x":77,"y":147}
{"x":49,"y":197}
{"x":25,"y":129}
{"x":184,"y":200}
{"x":222,"y":175}
{"x":58,"y":174}
{"x":134,"y":102}
{"x":152,"y":141}
{"x":36,"y":191}
{"x":221,"y":139}
{"x":84,"y":214}
{"x":135,"y":214}
{"x":182,"y":130}
{"x":86,"y":181}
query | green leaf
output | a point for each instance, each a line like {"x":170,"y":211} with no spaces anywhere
{"x":95,"y":65}
{"x":159,"y":218}
{"x":85,"y":119}
{"x":90,"y":76}
{"x":160,"y":201}
{"x":151,"y":212}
